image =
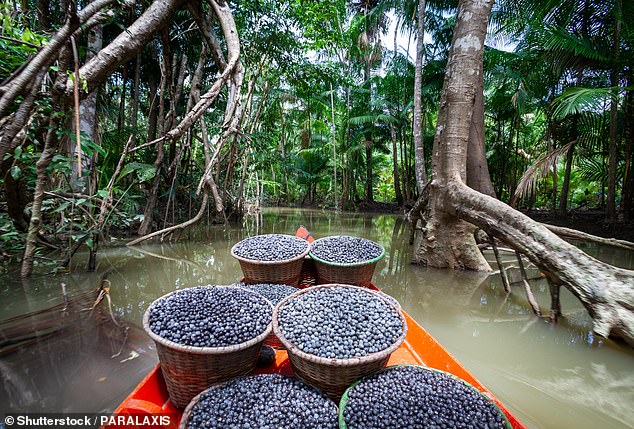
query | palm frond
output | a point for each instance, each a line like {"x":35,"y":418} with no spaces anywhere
{"x":563,"y":41}
{"x":362,"y":120}
{"x":593,"y":169}
{"x":593,"y":130}
{"x":576,"y":100}
{"x":538,"y":170}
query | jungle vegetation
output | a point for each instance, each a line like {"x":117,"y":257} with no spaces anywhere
{"x":140,"y":119}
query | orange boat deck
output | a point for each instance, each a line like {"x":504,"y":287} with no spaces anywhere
{"x":151,"y":398}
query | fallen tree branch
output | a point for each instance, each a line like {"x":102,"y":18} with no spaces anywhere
{"x":568,"y":233}
{"x":128,"y":43}
{"x":527,"y":287}
{"x":607,"y":292}
{"x":505,"y":279}
{"x":180,"y":226}
{"x":20,"y":42}
{"x":555,"y":304}
{"x":47,"y":55}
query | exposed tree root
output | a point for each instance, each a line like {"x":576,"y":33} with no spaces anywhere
{"x":607,"y":292}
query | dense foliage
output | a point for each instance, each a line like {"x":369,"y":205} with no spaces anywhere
{"x":326,"y":113}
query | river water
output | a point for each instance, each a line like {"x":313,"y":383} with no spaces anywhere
{"x":67,"y":357}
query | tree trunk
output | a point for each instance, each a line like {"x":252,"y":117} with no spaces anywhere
{"x":148,"y":212}
{"x":478,"y":176}
{"x":153,"y":111}
{"x":605,"y":291}
{"x":122,"y":115}
{"x":397,"y":185}
{"x":126,"y":45}
{"x":628,"y":181}
{"x":43,"y":12}
{"x":369,"y":140}
{"x":610,"y":217}
{"x":87,"y":116}
{"x":369,"y":144}
{"x":563,"y":198}
{"x":421,"y":174}
{"x":446,"y":241}
{"x":134,"y":122}
{"x":334,"y":144}
{"x":565,"y":186}
{"x":35,"y":224}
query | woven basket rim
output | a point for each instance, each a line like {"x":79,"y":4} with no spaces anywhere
{"x":204,"y":350}
{"x":337,"y":362}
{"x":343,"y":264}
{"x":188,"y":409}
{"x":283,"y":261}
{"x":345,"y":397}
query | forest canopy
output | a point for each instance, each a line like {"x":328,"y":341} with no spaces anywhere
{"x":142,"y":118}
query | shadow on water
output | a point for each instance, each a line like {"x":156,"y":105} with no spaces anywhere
{"x":550,"y":376}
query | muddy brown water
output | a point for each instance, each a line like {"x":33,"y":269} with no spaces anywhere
{"x":74,"y":359}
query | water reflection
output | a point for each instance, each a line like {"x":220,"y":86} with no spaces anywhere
{"x":550,"y":376}
{"x":58,"y":354}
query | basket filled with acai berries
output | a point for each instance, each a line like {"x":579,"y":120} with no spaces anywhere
{"x":205,"y":335}
{"x":336,"y":334}
{"x":345,"y":259}
{"x":261,"y":401}
{"x":411,"y":396}
{"x":271,"y":258}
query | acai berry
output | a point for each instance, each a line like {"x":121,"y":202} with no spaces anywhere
{"x":418,"y":398}
{"x":270,"y":247}
{"x":273,"y":292}
{"x":340,"y":322}
{"x":268,"y":401}
{"x":345,"y":250}
{"x":210,"y":316}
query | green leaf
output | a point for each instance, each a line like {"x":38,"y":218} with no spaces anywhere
{"x":62,"y":207}
{"x":102,"y":193}
{"x":16,"y":172}
{"x":576,"y":100}
{"x":17,"y":152}
{"x":80,"y":201}
{"x":145,"y":172}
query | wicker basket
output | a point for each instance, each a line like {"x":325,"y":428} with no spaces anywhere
{"x":333,"y":375}
{"x":190,"y":406}
{"x":287,"y":271}
{"x":346,"y":396}
{"x":309,"y":274}
{"x":188,"y":370}
{"x":358,"y":273}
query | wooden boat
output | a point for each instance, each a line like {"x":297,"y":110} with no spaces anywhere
{"x":150,"y":397}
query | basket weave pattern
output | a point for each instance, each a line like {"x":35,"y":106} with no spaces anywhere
{"x":192,"y":404}
{"x":188,"y":370}
{"x":333,"y":375}
{"x":309,"y":273}
{"x":287,"y":271}
{"x":358,"y":274}
{"x":187,"y":374}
